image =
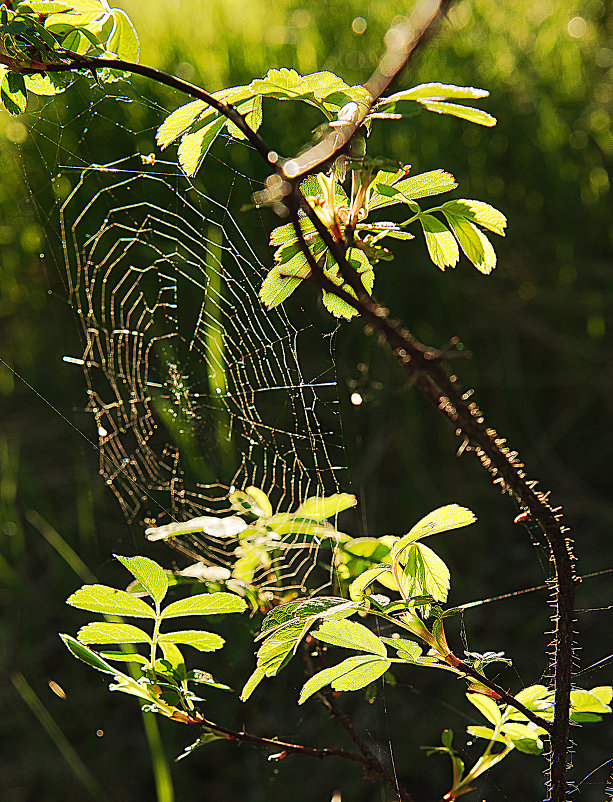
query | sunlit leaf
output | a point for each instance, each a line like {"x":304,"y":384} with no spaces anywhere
{"x":486,"y":706}
{"x":591,"y":701}
{"x":424,"y":185}
{"x":206,"y":604}
{"x":435,"y":580}
{"x":195,"y":146}
{"x":350,"y":635}
{"x":435,"y":91}
{"x":326,"y":506}
{"x":407,"y":649}
{"x":463,"y":112}
{"x":92,"y":659}
{"x":252,"y":683}
{"x":104,"y":599}
{"x":474,"y":243}
{"x":179,"y":122}
{"x":261,"y":505}
{"x":350,"y":675}
{"x":478,"y":212}
{"x":441,"y":244}
{"x":203,"y":641}
{"x":13,"y":93}
{"x":359,"y":585}
{"x":99,"y":632}
{"x":150,"y":575}
{"x":123,"y":40}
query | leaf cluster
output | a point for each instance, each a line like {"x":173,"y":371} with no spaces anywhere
{"x":162,"y":679}
{"x":35,"y":33}
{"x":511,"y":729}
{"x":413,"y":570}
{"x":262,"y":536}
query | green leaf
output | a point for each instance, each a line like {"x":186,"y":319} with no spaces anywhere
{"x":326,"y":506}
{"x":442,"y":519}
{"x":441,"y":244}
{"x":99,"y":632}
{"x":46,"y":6}
{"x":150,"y":575}
{"x":195,"y":146}
{"x":359,"y":585}
{"x":179,"y":122}
{"x":281,"y":282}
{"x":286,"y":234}
{"x":425,"y":185}
{"x":125,"y":657}
{"x":590,"y":702}
{"x":285,"y":84}
{"x":173,"y":660}
{"x":203,"y":641}
{"x":463,"y":112}
{"x":350,"y":635}
{"x":103,"y":599}
{"x":300,"y":611}
{"x":350,"y":675}
{"x":13,"y":93}
{"x":252,"y":683}
{"x":206,"y":604}
{"x":251,"y":110}
{"x":474,"y":243}
{"x":277,"y":649}
{"x":123,"y":40}
{"x":48,"y":84}
{"x":485,"y":732}
{"x":260,"y":503}
{"x":478,"y":212}
{"x":407,"y":649}
{"x":81,"y":652}
{"x":435,"y":581}
{"x":486,"y":706}
{"x":534,"y":693}
{"x":435,"y":91}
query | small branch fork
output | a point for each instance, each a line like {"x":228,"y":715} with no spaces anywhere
{"x":422,"y":364}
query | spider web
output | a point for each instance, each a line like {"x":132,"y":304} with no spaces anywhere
{"x":195,"y":389}
{"x":192,"y":386}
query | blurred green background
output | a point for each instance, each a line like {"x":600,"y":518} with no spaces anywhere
{"x":539,"y":329}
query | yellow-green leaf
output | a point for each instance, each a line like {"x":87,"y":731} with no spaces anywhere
{"x":350,"y":635}
{"x":104,"y":599}
{"x":206,"y":604}
{"x":441,"y":243}
{"x":463,"y":112}
{"x":326,"y":506}
{"x":203,"y":641}
{"x":99,"y":632}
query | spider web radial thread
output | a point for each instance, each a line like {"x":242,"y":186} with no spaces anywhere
{"x":195,"y":388}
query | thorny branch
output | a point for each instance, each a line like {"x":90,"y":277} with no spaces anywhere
{"x":423,"y":364}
